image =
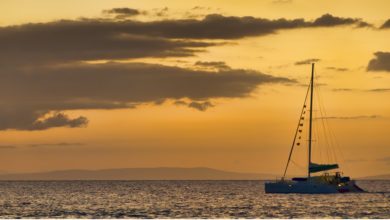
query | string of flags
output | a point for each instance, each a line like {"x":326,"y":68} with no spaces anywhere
{"x":301,"y":124}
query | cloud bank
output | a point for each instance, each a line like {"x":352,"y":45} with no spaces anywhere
{"x":44,"y":70}
{"x":30,"y":96}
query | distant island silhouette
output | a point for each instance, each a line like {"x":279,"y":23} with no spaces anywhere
{"x":158,"y":173}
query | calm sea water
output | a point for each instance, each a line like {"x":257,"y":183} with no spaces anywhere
{"x":183,"y":199}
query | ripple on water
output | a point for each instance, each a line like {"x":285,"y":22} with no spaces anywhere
{"x":182,"y":199}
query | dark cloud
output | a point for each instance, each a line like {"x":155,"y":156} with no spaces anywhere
{"x":66,"y":41}
{"x":110,"y":39}
{"x":31,"y":99}
{"x":88,"y":39}
{"x":25,"y":117}
{"x":380,"y":63}
{"x":216,"y":26}
{"x":201,"y":106}
{"x":328,"y":20}
{"x":213,"y":64}
{"x":352,"y":117}
{"x":42,"y":76}
{"x":386,"y":24}
{"x":307,"y":61}
{"x":58,"y":120}
{"x":339,"y":69}
{"x":363,"y":24}
{"x":123,"y":12}
{"x":161,"y":12}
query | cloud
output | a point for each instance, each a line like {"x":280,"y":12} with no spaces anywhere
{"x":307,"y":61}
{"x":386,"y":24}
{"x":61,"y":144}
{"x":86,"y":40}
{"x":361,"y":90}
{"x":123,"y":12}
{"x":380,"y":63}
{"x":180,"y":102}
{"x":339,"y":69}
{"x":363,"y":24}
{"x":65,"y":41}
{"x":43,"y":76}
{"x":25,"y":117}
{"x":344,"y":90}
{"x":328,"y":20}
{"x":213,"y":64}
{"x":161,"y":12}
{"x":216,"y":26}
{"x":201,"y":8}
{"x":384,"y":159}
{"x":201,"y":106}
{"x":379,"y":90}
{"x":58,"y":120}
{"x":352,"y":117}
{"x":7,"y":147}
{"x":97,"y":39}
{"x":32,"y":99}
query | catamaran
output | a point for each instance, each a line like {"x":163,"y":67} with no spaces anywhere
{"x":324,"y":183}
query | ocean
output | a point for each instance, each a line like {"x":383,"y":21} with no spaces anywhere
{"x":183,"y":199}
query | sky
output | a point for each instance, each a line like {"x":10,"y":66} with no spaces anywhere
{"x":98,"y":84}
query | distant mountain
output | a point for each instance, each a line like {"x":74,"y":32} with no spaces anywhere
{"x":377,"y":177}
{"x":160,"y":173}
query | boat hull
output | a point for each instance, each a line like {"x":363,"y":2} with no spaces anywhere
{"x":310,"y":187}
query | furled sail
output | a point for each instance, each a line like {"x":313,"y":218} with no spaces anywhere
{"x":313,"y":168}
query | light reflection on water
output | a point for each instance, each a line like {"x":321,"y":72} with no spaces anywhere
{"x":183,"y":199}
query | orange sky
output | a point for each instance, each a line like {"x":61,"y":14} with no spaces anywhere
{"x":246,"y":132}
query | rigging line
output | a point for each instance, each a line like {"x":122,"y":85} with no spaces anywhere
{"x":332,"y":140}
{"x":321,"y":126}
{"x":298,"y":165}
{"x":337,"y":144}
{"x":327,"y":147}
{"x":339,"y":150}
{"x":330,"y":149}
{"x":297,"y":130}
{"x":324,"y":128}
{"x":318,"y":138}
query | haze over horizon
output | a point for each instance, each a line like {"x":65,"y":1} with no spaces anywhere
{"x":109,"y":84}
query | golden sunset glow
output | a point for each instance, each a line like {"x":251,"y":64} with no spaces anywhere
{"x":236,"y":111}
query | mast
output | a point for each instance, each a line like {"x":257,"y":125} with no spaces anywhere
{"x":311,"y":118}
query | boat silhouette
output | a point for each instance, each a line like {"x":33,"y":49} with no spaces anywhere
{"x":325,"y":182}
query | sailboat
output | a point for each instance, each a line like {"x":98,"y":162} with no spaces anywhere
{"x":312,"y":184}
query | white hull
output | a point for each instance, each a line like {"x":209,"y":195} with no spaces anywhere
{"x":310,"y":187}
